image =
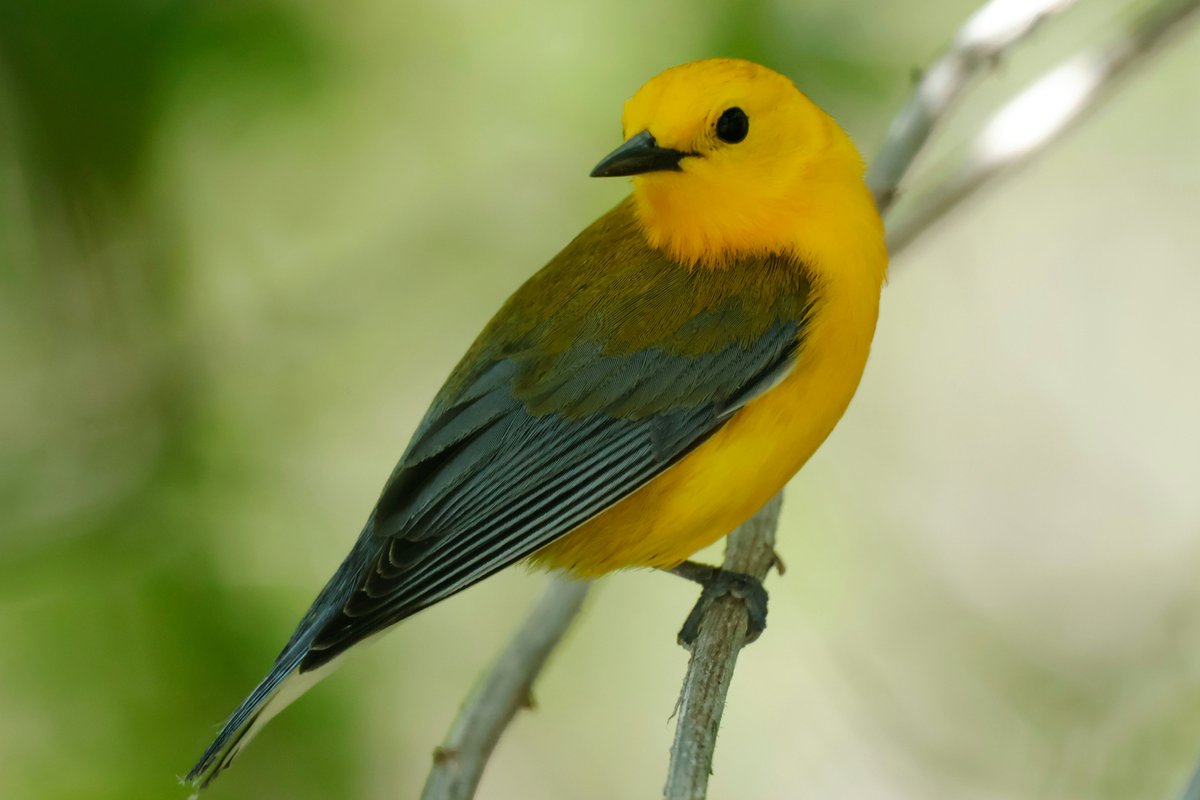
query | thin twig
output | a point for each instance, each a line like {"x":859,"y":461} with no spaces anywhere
{"x":1038,"y":116}
{"x":506,"y":689}
{"x":714,"y":655}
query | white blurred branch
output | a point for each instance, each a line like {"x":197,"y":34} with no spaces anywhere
{"x":1038,"y":116}
{"x":1017,"y":132}
{"x":991,"y":31}
{"x":507,"y":688}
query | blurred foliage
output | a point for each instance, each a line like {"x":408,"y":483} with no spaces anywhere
{"x":241,"y":244}
{"x":117,"y":621}
{"x":91,"y":82}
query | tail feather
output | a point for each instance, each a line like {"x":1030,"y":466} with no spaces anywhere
{"x":288,"y":679}
{"x":282,"y":685}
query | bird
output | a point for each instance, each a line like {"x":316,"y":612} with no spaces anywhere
{"x":643,"y":394}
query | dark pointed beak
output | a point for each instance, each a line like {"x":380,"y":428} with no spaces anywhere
{"x":639,"y":154}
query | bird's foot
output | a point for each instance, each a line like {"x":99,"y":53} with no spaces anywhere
{"x":719,"y":583}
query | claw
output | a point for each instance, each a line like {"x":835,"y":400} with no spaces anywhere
{"x":718,"y":583}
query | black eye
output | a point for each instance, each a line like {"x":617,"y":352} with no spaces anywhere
{"x":733,"y":125}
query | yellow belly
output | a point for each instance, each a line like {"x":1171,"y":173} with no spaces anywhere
{"x":720,"y":484}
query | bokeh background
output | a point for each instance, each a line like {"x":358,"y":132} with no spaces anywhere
{"x":241,"y":244}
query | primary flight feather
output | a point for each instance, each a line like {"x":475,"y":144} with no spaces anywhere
{"x":645,"y":392}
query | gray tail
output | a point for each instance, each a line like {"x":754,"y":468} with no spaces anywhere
{"x":251,"y":715}
{"x":290,"y":677}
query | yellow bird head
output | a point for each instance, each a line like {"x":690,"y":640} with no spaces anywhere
{"x":729,"y":158}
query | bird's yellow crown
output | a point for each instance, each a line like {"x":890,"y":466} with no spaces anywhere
{"x":765,"y":170}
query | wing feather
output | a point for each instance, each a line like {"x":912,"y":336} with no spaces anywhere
{"x":561,"y":409}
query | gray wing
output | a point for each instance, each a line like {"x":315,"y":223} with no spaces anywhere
{"x":491,"y":476}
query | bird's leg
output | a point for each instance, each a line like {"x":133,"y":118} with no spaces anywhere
{"x":718,"y":583}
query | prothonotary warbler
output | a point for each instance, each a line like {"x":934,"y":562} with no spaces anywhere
{"x":644,"y":393}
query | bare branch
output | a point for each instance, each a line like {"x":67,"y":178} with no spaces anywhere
{"x":1041,"y":114}
{"x":751,"y":551}
{"x":991,"y":31}
{"x":458,"y":764}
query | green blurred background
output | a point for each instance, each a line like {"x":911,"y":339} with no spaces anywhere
{"x":241,"y":244}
